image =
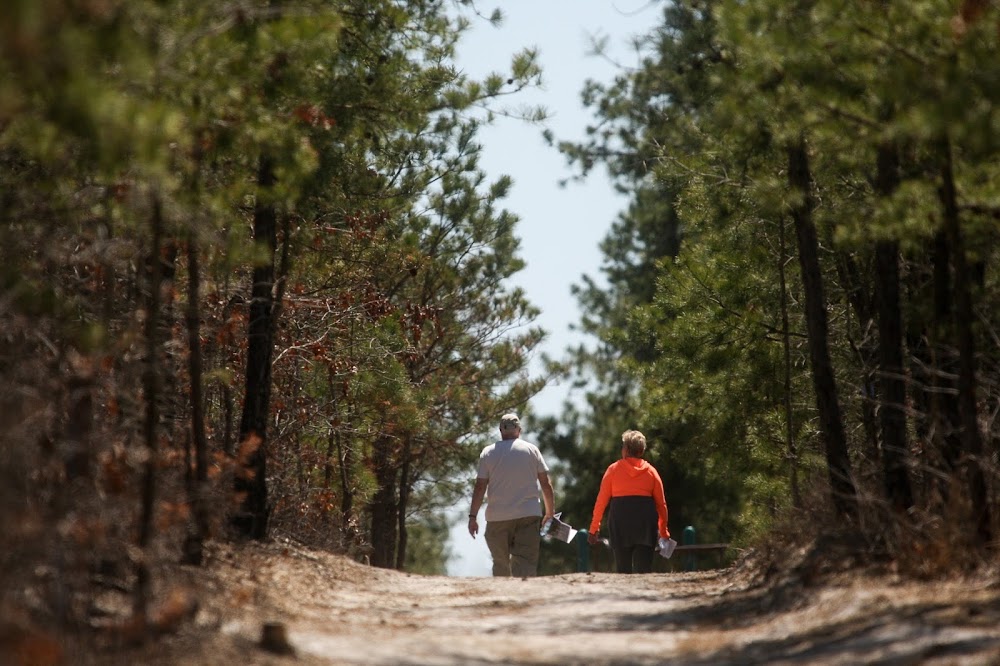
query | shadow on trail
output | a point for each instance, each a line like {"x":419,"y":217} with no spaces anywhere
{"x":892,"y":635}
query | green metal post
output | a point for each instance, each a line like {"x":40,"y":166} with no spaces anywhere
{"x":688,"y":540}
{"x":582,"y":552}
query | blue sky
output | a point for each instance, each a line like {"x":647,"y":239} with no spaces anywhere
{"x":560,"y":227}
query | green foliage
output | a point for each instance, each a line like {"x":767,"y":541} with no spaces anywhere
{"x":428,"y":552}
{"x":398,"y":333}
{"x":689,"y":328}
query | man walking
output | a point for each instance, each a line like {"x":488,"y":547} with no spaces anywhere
{"x":512,"y":470}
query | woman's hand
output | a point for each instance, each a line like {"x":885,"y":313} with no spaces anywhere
{"x":593,"y":538}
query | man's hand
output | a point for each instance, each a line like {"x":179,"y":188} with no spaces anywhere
{"x":473,"y":526}
{"x":592,"y":538}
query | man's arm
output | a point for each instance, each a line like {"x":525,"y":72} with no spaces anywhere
{"x":478,"y":493}
{"x":547,"y":495}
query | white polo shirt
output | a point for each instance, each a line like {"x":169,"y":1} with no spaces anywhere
{"x":511,"y":468}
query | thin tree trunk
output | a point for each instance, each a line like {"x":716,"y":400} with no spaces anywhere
{"x":934,"y":370}
{"x":171,"y":399}
{"x":404,"y":498}
{"x":924,"y":450}
{"x":947,"y":419}
{"x":345,"y":457}
{"x":861,"y":302}
{"x":225,"y":387}
{"x":844,"y":494}
{"x":251,"y":484}
{"x":194,"y":546}
{"x":151,"y":386}
{"x":331,"y":449}
{"x":892,"y":411}
{"x":78,"y":458}
{"x":228,"y":441}
{"x":972,"y":442}
{"x":793,"y":456}
{"x":383,"y":505}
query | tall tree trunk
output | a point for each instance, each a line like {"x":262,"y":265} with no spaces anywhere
{"x":844,"y":494}
{"x":171,"y":396}
{"x":77,"y":436}
{"x":384,"y":507}
{"x":194,"y":545}
{"x":934,"y":369}
{"x":793,"y":456}
{"x":331,"y":450}
{"x":972,"y":442}
{"x":332,"y":439}
{"x":345,"y":457}
{"x":947,"y":419}
{"x":892,"y":411}
{"x":860,"y":299}
{"x":151,"y":388}
{"x":226,"y":393}
{"x":404,"y":498}
{"x":251,"y":483}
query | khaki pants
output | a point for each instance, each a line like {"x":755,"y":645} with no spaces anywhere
{"x":514,"y":545}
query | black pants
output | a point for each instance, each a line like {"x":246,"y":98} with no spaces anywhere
{"x":632,"y":523}
{"x":634,"y":559}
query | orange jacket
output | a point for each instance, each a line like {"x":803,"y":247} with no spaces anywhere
{"x":631,"y":476}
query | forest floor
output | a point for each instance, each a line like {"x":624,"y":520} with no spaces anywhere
{"x":336,"y":611}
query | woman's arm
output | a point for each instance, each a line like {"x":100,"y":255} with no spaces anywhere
{"x":660,"y":499}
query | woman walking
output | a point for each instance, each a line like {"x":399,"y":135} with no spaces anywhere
{"x":633,"y":492}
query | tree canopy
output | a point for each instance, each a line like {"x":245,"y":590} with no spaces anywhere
{"x":255,"y":282}
{"x":799,"y":302}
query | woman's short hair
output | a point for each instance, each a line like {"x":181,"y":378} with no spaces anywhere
{"x":634,"y":442}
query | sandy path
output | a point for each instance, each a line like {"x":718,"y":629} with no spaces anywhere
{"x":339,"y":612}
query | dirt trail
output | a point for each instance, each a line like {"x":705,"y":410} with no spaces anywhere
{"x":339,"y":612}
